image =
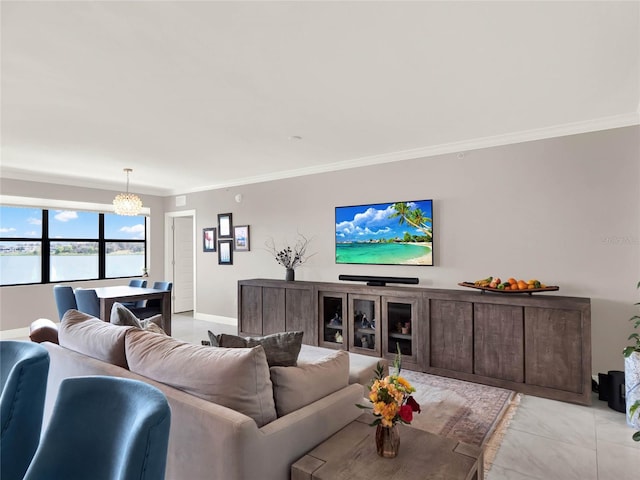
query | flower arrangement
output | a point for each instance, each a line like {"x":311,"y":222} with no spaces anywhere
{"x":391,"y":397}
{"x":632,"y":372}
{"x":290,"y":257}
{"x":632,"y":411}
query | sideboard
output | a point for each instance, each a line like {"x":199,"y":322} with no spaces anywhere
{"x":534,"y":344}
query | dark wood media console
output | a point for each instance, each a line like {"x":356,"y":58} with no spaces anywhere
{"x":535,"y":344}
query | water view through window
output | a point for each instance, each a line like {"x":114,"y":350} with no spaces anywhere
{"x":76,"y":249}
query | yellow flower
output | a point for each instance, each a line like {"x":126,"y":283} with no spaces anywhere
{"x":407,"y":386}
{"x":378,"y":408}
{"x":389,"y":411}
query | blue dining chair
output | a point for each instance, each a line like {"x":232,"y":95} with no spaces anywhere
{"x":162,"y":285}
{"x":24,"y":368}
{"x":88,"y":301}
{"x":65,"y":299}
{"x":139,"y":283}
{"x":104,"y":428}
{"x":154,"y":306}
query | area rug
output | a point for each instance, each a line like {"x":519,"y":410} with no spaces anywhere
{"x":468,"y":412}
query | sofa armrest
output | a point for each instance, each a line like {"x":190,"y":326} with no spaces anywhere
{"x":43,"y":330}
{"x":290,"y":437}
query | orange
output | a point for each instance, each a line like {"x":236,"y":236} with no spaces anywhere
{"x":512,"y":281}
{"x":522,"y":285}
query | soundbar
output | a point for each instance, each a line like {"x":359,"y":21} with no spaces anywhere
{"x":374,"y":281}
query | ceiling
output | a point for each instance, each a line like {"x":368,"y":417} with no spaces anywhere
{"x":196,"y":95}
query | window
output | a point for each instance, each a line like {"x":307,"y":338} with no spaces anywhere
{"x":20,"y":245}
{"x":72,"y":257}
{"x":124,"y":245}
{"x":42,"y":246}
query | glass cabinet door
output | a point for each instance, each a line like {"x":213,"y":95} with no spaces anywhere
{"x":399,"y":315}
{"x":364,"y":324}
{"x":333,"y":320}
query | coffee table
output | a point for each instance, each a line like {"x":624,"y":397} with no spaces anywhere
{"x":350,"y":454}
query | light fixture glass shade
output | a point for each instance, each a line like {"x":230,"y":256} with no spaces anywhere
{"x":127,"y":204}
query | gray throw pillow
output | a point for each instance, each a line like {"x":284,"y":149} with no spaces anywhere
{"x":282,"y":349}
{"x":121,"y":315}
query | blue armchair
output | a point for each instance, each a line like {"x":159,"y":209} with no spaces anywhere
{"x":104,"y":428}
{"x":24,"y":368}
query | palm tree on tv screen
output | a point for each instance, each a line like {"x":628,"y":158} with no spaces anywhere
{"x":414,"y":217}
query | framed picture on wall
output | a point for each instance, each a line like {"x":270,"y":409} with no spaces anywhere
{"x":225,"y":252}
{"x":241,"y":238}
{"x":209,"y":239}
{"x":225,"y":225}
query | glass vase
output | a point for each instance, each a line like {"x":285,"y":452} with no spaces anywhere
{"x":387,"y":441}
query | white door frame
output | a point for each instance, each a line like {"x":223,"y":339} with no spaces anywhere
{"x":168,"y":249}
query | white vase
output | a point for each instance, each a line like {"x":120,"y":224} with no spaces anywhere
{"x":632,"y":385}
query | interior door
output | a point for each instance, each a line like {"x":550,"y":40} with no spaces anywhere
{"x":183,"y":248}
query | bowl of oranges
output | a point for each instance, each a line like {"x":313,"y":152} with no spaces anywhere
{"x":512,"y":285}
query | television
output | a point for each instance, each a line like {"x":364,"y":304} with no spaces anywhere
{"x":397,"y":233}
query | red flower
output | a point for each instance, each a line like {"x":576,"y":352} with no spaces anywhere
{"x":406,"y":413}
{"x":413,"y":404}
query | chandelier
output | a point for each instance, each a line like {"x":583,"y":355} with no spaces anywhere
{"x":127,"y":203}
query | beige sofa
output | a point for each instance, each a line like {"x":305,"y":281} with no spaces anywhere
{"x":208,"y":440}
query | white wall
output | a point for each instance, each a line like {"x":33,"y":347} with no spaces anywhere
{"x":563,"y":210}
{"x":20,"y":305}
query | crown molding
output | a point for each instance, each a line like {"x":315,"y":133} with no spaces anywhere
{"x":31,"y":176}
{"x":605,"y":123}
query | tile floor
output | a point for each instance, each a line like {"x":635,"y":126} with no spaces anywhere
{"x":546,"y":440}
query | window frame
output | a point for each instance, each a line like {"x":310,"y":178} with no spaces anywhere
{"x":45,"y":246}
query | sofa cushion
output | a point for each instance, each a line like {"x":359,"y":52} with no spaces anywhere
{"x":93,"y":337}
{"x":282,"y":349}
{"x":296,"y":387}
{"x":362,"y":368}
{"x":237,"y":378}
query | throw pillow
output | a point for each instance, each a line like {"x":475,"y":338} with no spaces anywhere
{"x":93,"y":337}
{"x":121,"y":315}
{"x":282,"y":349}
{"x":296,"y":387}
{"x":237,"y":378}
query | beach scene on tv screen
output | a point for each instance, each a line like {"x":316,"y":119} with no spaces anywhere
{"x":398,"y":233}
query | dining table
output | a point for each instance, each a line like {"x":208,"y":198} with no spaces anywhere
{"x":125,"y":293}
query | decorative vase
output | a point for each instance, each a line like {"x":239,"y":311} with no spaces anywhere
{"x":387,"y":441}
{"x":290,"y":275}
{"x":632,"y":385}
